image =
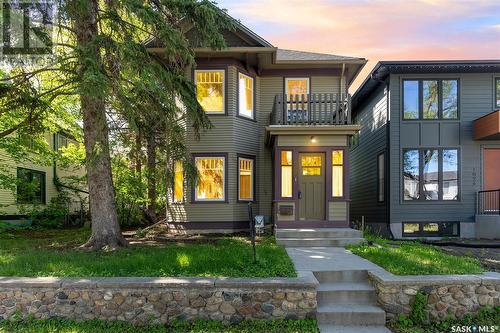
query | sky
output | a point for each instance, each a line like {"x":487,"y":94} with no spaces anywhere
{"x":377,"y":29}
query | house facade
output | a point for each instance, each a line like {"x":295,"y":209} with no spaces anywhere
{"x":36,"y":184}
{"x":425,"y":163}
{"x":281,"y":127}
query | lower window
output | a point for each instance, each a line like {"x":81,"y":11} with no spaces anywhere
{"x":212,"y":178}
{"x":431,"y":229}
{"x":30,"y":186}
{"x":246,"y":178}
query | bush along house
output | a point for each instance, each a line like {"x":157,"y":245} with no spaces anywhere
{"x":425,"y":163}
{"x":281,"y":126}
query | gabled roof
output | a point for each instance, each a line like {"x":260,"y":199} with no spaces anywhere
{"x":283,"y":55}
{"x":384,"y":68}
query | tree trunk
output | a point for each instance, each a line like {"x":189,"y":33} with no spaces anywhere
{"x":105,"y":228}
{"x":138,"y":146}
{"x":151,"y":161}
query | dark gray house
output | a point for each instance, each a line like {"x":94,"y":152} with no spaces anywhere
{"x":426,"y":160}
{"x":281,"y":127}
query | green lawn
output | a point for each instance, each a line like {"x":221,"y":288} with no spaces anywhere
{"x":55,"y":253}
{"x":486,"y":317}
{"x":414,"y":258}
{"x":95,"y":326}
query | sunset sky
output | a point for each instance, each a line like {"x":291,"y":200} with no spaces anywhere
{"x":377,"y":29}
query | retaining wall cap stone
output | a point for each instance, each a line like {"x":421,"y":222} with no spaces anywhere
{"x":151,"y":282}
{"x":385,"y":277}
{"x":305,"y":279}
{"x":30,"y":282}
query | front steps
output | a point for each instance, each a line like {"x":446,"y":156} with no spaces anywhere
{"x":318,"y":237}
{"x":347,"y":302}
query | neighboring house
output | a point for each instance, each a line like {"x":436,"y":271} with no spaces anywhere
{"x":282,"y":123}
{"x":37,"y":185}
{"x":429,"y":146}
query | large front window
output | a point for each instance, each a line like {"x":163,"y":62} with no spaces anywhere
{"x":286,"y":174}
{"x":245,"y":97}
{"x":430,"y":99}
{"x":211,"y":181}
{"x":246,"y":179}
{"x":430,"y":174}
{"x":337,"y":173}
{"x":210,"y":90}
{"x":30,"y":186}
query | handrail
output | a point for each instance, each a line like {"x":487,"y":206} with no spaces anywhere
{"x":311,"y":109}
{"x":488,"y":202}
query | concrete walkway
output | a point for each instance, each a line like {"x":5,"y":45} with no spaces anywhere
{"x":347,"y":301}
{"x":327,"y":259}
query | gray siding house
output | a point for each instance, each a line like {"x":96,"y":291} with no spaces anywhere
{"x":281,"y":127}
{"x":425,"y":163}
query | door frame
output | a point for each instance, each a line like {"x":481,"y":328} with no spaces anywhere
{"x":299,"y":178}
{"x":483,"y":147}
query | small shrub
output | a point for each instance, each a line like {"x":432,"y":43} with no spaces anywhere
{"x":418,"y":315}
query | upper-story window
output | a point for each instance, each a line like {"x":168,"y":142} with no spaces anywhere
{"x":430,"y":99}
{"x":246,"y":96}
{"x":497,"y":93}
{"x":210,"y":90}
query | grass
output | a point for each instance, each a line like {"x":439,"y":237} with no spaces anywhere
{"x":96,"y":326}
{"x":55,"y":253}
{"x":414,"y":258}
{"x":486,"y":317}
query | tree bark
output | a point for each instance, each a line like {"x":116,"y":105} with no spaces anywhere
{"x":105,"y":228}
{"x":151,"y":164}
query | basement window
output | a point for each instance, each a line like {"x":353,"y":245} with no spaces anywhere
{"x":431,"y":229}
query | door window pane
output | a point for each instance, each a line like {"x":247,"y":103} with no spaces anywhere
{"x":337,"y":173}
{"x":210,"y":185}
{"x":245,"y":95}
{"x":246,"y":179}
{"x":430,"y":102}
{"x":411,"y":175}
{"x":411,"y":100}
{"x":450,"y":174}
{"x":431,"y":175}
{"x":450,"y":99}
{"x":210,"y":90}
{"x":311,"y":165}
{"x":297,"y":90}
{"x":178,"y":181}
{"x":286,"y":174}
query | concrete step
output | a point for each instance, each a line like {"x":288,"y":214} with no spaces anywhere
{"x":318,"y":242}
{"x":329,"y":328}
{"x":346,"y":293}
{"x":319,"y":232}
{"x":342,"y":276}
{"x":350,"y":315}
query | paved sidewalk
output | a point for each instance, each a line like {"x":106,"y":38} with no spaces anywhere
{"x":328,"y":259}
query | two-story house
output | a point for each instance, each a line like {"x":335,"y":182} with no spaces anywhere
{"x":37,"y":184}
{"x":425,"y":163}
{"x":281,"y":127}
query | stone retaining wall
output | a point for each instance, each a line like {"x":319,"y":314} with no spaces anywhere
{"x":447,"y":295}
{"x":141,"y":300}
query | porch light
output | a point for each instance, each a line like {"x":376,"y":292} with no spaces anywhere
{"x":313,"y":139}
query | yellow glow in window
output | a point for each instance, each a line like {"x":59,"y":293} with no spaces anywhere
{"x":337,"y":173}
{"x":210,"y":90}
{"x":210,"y":185}
{"x":286,"y":174}
{"x":178,"y":181}
{"x":311,"y":165}
{"x":246,"y":179}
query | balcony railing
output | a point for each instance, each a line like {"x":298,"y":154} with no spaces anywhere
{"x":311,"y":109}
{"x":488,"y":202}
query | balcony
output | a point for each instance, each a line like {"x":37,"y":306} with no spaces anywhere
{"x":311,"y":109}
